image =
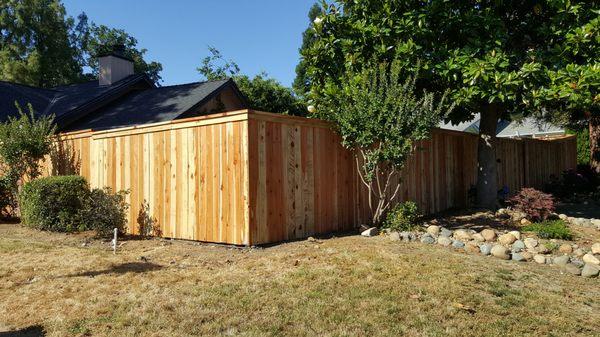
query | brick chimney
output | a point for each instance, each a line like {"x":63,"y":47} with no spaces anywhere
{"x":114,"y":65}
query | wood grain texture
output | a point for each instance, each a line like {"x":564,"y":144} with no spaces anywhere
{"x":249,"y":177}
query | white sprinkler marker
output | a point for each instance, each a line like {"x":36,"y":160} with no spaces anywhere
{"x":115,"y":241}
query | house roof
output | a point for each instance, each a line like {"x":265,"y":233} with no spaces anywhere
{"x":527,"y":127}
{"x":150,"y":106}
{"x":130,"y":101}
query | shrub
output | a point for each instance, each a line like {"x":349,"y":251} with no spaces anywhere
{"x":147,"y":225}
{"x":582,"y":180}
{"x":54,"y":203}
{"x":103,"y":211}
{"x":550,"y":229}
{"x":24,"y":141}
{"x":535,"y":204}
{"x":403,"y":217}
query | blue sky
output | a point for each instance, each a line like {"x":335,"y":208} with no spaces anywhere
{"x":260,"y":35}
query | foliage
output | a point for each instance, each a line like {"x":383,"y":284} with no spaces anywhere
{"x":381,"y":115}
{"x":403,"y":217}
{"x":103,"y":211}
{"x":24,"y":141}
{"x":36,"y":45}
{"x":54,"y":203}
{"x":495,"y":57}
{"x":262,"y":92}
{"x":581,"y":180}
{"x":550,"y":229}
{"x":147,"y":224}
{"x":302,"y":81}
{"x":535,"y":204}
{"x":41,"y":46}
{"x":583,"y":145}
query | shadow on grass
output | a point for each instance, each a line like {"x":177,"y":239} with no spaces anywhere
{"x":32,"y":331}
{"x":123,"y":268}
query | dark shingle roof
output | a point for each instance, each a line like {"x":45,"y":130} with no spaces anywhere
{"x":150,"y":106}
{"x":131,"y":101}
{"x":23,"y":95}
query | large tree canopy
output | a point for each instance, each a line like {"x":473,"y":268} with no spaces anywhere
{"x":491,"y":55}
{"x":36,"y":45}
{"x":262,"y":92}
{"x":41,"y":46}
{"x":301,"y":83}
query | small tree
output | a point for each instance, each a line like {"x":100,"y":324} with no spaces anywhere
{"x":24,"y":141}
{"x":379,"y":114}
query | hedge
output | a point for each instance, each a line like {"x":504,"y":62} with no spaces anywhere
{"x":54,"y":203}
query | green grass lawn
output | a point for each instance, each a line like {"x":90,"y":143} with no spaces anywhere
{"x":348,"y":286}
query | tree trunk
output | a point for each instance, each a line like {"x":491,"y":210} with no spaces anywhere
{"x":594,"y":125}
{"x":487,"y":186}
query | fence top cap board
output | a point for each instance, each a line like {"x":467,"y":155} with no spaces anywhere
{"x":218,"y":118}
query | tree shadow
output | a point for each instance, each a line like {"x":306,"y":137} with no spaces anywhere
{"x":123,"y":268}
{"x":32,"y":331}
{"x":65,"y":160}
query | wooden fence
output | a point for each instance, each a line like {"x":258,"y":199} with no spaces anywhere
{"x":248,"y":177}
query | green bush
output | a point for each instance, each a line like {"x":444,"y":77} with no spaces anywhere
{"x":104,"y":210}
{"x":550,"y":229}
{"x":403,"y":217}
{"x":54,"y":203}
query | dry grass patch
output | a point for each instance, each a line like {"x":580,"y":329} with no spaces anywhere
{"x":349,"y":286}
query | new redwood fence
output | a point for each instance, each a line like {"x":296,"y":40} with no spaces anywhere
{"x":249,"y":177}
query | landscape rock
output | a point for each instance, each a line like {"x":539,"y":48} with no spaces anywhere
{"x":463,"y":235}
{"x":363,"y":228}
{"x":527,"y":255}
{"x":478,"y":237}
{"x":507,"y":239}
{"x":373,"y":231}
{"x":427,"y":238}
{"x":516,"y":234}
{"x":541,"y":259}
{"x":562,"y":217}
{"x":591,"y":259}
{"x":433,"y":230}
{"x":542,"y":249}
{"x":472,"y":247}
{"x":562,"y":260}
{"x":394,"y":236}
{"x":530,"y":243}
{"x":517,"y":246}
{"x":485,"y":249}
{"x":579,"y":252}
{"x":445,"y":232}
{"x":565,"y":248}
{"x":572,"y":269}
{"x":488,"y":235}
{"x":518,"y":216}
{"x":457,"y":244}
{"x":518,"y":257}
{"x":444,"y":241}
{"x":500,"y":252}
{"x":525,"y":222}
{"x":596,"y":248}
{"x":590,"y":270}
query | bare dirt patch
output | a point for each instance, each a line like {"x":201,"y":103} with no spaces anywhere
{"x":332,"y":287}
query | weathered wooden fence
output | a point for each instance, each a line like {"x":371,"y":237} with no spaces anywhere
{"x":248,"y":177}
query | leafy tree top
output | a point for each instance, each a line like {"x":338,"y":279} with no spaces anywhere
{"x":485,"y":52}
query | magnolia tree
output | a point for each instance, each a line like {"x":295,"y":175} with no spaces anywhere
{"x":496,"y":58}
{"x":381,"y":116}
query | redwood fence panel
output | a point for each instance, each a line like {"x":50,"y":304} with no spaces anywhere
{"x":249,"y":177}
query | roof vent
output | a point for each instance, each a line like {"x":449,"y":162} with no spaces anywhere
{"x":114,"y":65}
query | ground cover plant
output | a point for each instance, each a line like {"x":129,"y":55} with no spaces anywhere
{"x":550,"y":229}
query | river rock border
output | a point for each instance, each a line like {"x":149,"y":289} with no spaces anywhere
{"x":507,"y":245}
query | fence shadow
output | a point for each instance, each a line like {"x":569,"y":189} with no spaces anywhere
{"x":123,"y":268}
{"x":65,"y":160}
{"x":32,"y":331}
